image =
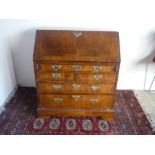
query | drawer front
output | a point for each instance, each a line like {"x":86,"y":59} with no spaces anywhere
{"x":77,"y":68}
{"x":75,"y":88}
{"x":54,"y":76}
{"x":77,"y":101}
{"x":96,"y":78}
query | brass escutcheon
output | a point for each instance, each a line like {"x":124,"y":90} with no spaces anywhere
{"x":76,"y":68}
{"x":76,"y":86}
{"x":56,"y":75}
{"x":77,"y":34}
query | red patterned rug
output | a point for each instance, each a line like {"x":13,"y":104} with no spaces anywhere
{"x":19,"y":118}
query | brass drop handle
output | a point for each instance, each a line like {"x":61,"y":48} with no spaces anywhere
{"x":76,"y":97}
{"x":98,"y":76}
{"x":56,"y":67}
{"x":58,"y":100}
{"x":56,"y":75}
{"x":94,"y":100}
{"x":76,"y":68}
{"x":95,"y":87}
{"x":97,"y":68}
{"x":57,"y":86}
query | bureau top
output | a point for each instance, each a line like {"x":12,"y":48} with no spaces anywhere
{"x":60,"y":45}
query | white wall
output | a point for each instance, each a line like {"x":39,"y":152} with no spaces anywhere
{"x":7,"y":76}
{"x":133,"y":19}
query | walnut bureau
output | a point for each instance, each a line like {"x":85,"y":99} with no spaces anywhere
{"x":76,"y":72}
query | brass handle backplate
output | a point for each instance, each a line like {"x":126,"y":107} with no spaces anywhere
{"x":56,"y":75}
{"x":97,"y":68}
{"x":76,"y":97}
{"x":57,"y":86}
{"x":97,"y":76}
{"x":58,"y":100}
{"x":56,"y":67}
{"x":95,"y":87}
{"x":94,"y":100}
{"x":76,"y":68}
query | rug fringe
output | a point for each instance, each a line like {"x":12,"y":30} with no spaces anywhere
{"x":145,"y":109}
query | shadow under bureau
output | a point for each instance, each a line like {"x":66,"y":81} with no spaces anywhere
{"x":76,"y":72}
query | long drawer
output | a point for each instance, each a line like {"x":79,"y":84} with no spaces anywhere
{"x":77,"y":101}
{"x":76,"y":67}
{"x":75,"y":88}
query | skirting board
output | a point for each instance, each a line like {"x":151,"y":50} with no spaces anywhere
{"x":2,"y":108}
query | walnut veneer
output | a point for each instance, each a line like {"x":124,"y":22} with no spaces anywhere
{"x":76,"y":72}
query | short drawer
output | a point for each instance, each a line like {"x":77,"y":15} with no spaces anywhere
{"x":75,"y":88}
{"x":96,"y":78}
{"x":54,"y":76}
{"x":77,"y":101}
{"x":76,"y":67}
